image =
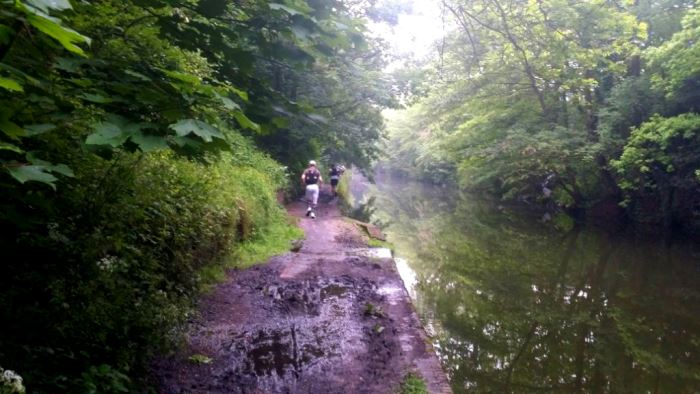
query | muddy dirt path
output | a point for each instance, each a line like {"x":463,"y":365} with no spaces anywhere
{"x":328,"y":319}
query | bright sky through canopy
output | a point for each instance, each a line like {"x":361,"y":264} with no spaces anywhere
{"x":416,"y":31}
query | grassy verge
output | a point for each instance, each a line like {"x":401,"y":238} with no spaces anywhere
{"x":273,"y":241}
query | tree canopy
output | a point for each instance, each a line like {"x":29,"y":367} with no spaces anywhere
{"x":537,"y":101}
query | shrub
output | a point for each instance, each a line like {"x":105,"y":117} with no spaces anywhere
{"x":102,"y":273}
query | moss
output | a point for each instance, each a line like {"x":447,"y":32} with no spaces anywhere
{"x":376,"y":243}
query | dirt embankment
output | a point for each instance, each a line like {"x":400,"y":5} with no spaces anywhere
{"x":328,"y":319}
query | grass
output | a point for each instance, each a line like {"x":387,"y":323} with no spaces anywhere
{"x":274,"y":241}
{"x":413,"y":384}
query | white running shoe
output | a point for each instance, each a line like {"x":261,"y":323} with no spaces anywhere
{"x":308,"y":211}
{"x":313,"y":215}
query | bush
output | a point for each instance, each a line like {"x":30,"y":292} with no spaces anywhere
{"x":102,"y":273}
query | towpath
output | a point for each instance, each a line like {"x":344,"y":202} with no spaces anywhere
{"x":327,"y":319}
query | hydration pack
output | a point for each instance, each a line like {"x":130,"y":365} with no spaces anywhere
{"x":311,"y":177}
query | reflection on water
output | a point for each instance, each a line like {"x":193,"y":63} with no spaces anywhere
{"x":519,"y":306}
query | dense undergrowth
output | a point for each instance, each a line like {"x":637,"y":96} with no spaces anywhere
{"x":101,"y":276}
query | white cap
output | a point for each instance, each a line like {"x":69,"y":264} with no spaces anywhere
{"x":312,"y":162}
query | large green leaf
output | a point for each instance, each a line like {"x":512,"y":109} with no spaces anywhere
{"x":10,"y":147}
{"x":107,"y":133}
{"x":96,"y":98}
{"x":36,"y":129}
{"x":244,"y":121}
{"x":26,"y":173}
{"x":228,"y":103}
{"x":57,"y":168}
{"x":201,"y":129}
{"x":10,"y":84}
{"x":147,"y":142}
{"x":114,"y":131}
{"x":68,"y":38}
{"x":11,"y":129}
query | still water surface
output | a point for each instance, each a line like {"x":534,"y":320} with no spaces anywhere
{"x":518,"y":305}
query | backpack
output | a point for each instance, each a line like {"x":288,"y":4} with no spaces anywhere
{"x":311,"y":177}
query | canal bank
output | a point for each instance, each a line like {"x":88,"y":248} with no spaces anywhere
{"x":333,"y":317}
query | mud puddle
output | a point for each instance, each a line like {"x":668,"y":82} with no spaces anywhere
{"x":313,"y":334}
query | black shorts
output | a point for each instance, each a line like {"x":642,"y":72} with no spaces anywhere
{"x":334,"y":182}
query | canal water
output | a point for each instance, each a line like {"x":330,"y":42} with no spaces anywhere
{"x":519,"y":303}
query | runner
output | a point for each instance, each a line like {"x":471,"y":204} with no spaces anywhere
{"x":311,"y":177}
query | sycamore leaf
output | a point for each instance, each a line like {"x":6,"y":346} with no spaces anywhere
{"x":228,"y":103}
{"x":35,"y":173}
{"x":106,"y":133}
{"x":114,"y":131}
{"x":68,"y":38}
{"x":148,"y":143}
{"x":244,"y":121}
{"x":137,"y":75}
{"x":36,"y":129}
{"x":184,"y":77}
{"x":58,"y":168}
{"x":68,"y":64}
{"x":62,"y":169}
{"x":10,"y":84}
{"x":201,"y":129}
{"x":242,"y":94}
{"x":11,"y":129}
{"x":96,"y":98}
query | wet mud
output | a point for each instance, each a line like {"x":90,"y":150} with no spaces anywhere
{"x":324,"y":320}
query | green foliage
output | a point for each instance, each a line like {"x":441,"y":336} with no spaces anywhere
{"x":661,"y":156}
{"x":413,"y":384}
{"x":677,"y":60}
{"x":522,"y":108}
{"x":160,"y":75}
{"x":119,"y":266}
